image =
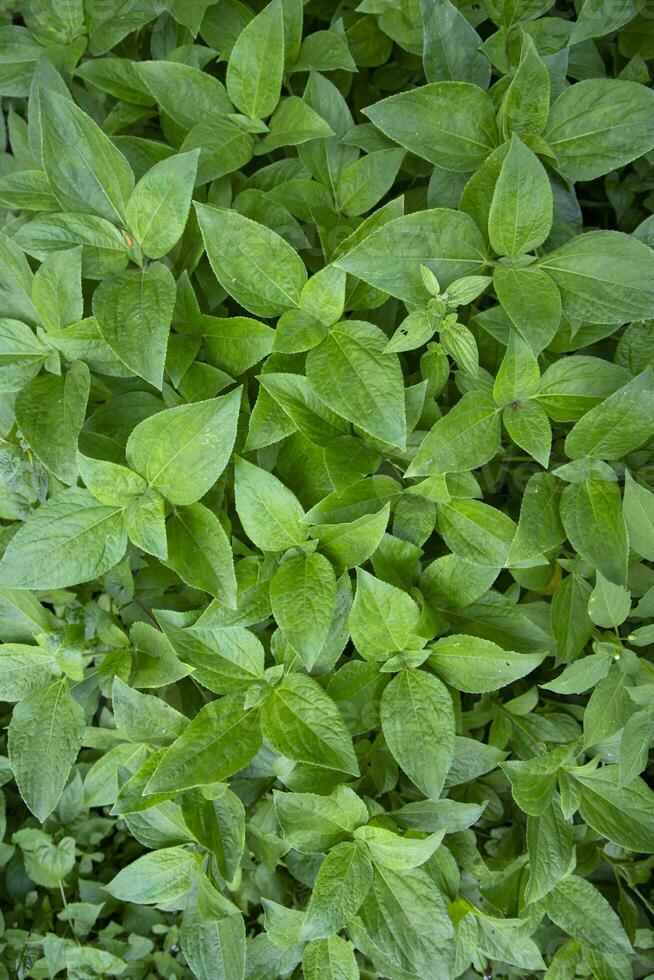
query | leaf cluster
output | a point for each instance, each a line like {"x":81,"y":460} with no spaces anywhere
{"x":327,"y":489}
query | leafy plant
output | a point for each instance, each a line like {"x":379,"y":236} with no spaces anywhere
{"x":327,"y":407}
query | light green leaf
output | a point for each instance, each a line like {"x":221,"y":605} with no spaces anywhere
{"x":475,"y":665}
{"x":604,"y":277}
{"x":446,"y":242}
{"x":159,"y":204}
{"x":351,"y":374}
{"x":600,"y":124}
{"x":417,"y":720}
{"x":57,"y":289}
{"x":312,"y":823}
{"x":521,"y":210}
{"x":221,"y":739}
{"x":50,"y":411}
{"x":329,"y":959}
{"x":591,"y":512}
{"x":303,"y":598}
{"x":200,"y":553}
{"x":133,"y":311}
{"x":254,"y":264}
{"x":70,"y":539}
{"x":477,"y":532}
{"x":182,"y":451}
{"x":464,"y":438}
{"x":271,"y":515}
{"x":383,"y":619}
{"x":256,"y":63}
{"x":162,"y":877}
{"x":44,"y":737}
{"x":581,"y":910}
{"x":622,"y":814}
{"x":550,"y":850}
{"x":23,"y":669}
{"x":451,"y":124}
{"x":85,"y":170}
{"x":638,"y":509}
{"x":367,"y":180}
{"x":343,"y":881}
{"x":617,"y":425}
{"x":451,"y":46}
{"x":303,"y":723}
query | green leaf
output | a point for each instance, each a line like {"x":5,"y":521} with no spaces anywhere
{"x":70,"y":539}
{"x":144,"y":718}
{"x":383,"y":619}
{"x":638,"y":509}
{"x":581,"y":675}
{"x":224,"y":661}
{"x":521,"y":210}
{"x":200,"y":553}
{"x":417,"y":720}
{"x":44,"y":737}
{"x":50,"y":411}
{"x":297,"y":399}
{"x":604,"y":277}
{"x":573,"y":385}
{"x":622,"y":814}
{"x":221,"y":739}
{"x":293,"y":122}
{"x":161,"y":877}
{"x":617,"y":425}
{"x":465,"y":438}
{"x":343,"y":881}
{"x":182,"y":451}
{"x":582,"y":911}
{"x":352,"y":375}
{"x":213,"y":936}
{"x":531,"y":301}
{"x":393,"y":851}
{"x":256,"y":63}
{"x":21,"y":354}
{"x":271,"y":515}
{"x":254,"y":264}
{"x":529,"y":427}
{"x":302,"y":722}
{"x":303,"y":599}
{"x":159,"y":204}
{"x":591,"y":512}
{"x":183,"y":92}
{"x":446,"y":242}
{"x":236,"y":344}
{"x":477,"y":532}
{"x":23,"y":669}
{"x":145,"y":523}
{"x":550,"y":850}
{"x":451,"y":124}
{"x":451,"y":46}
{"x":600,"y":124}
{"x":57,"y":289}
{"x":609,"y":604}
{"x":133,"y":312}
{"x":219,"y":826}
{"x":329,"y":959}
{"x":85,"y":170}
{"x":313,"y":823}
{"x":475,"y":665}
{"x":404,"y":922}
{"x":367,"y":180}
{"x":525,"y":107}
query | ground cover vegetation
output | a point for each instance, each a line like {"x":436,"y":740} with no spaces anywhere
{"x":327,"y":489}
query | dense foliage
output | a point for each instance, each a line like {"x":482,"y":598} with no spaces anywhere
{"x":327,"y":414}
